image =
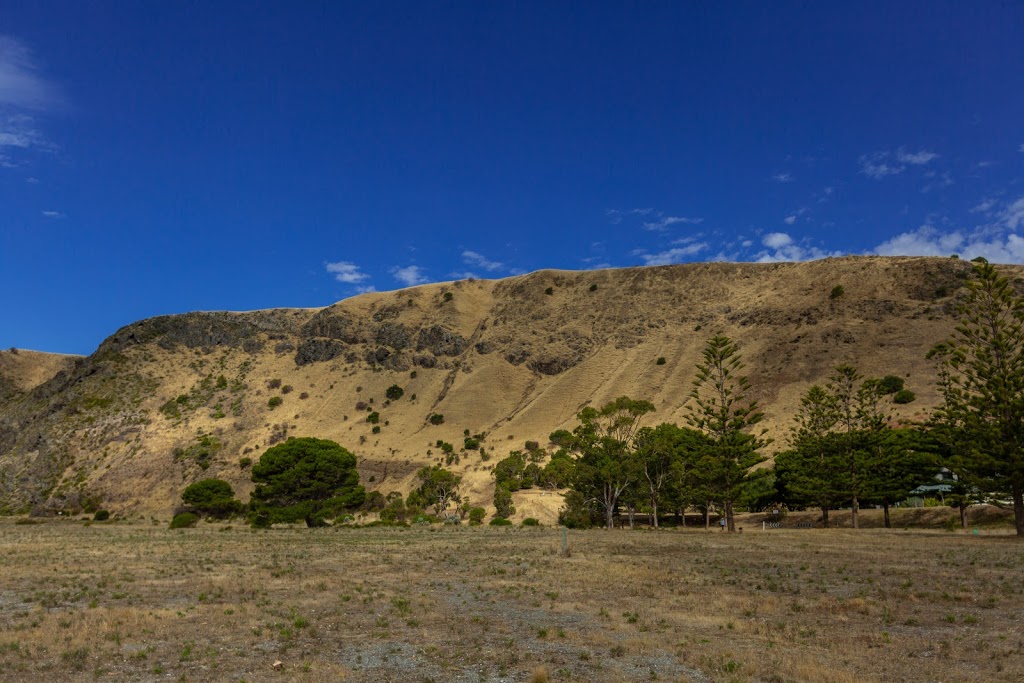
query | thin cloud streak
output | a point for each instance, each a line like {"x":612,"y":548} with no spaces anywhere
{"x":347,"y":272}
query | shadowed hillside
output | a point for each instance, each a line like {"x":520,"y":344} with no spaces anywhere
{"x":169,"y":400}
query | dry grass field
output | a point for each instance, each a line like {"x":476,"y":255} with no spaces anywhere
{"x":134,"y":602}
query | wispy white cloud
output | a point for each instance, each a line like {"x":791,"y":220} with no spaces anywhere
{"x":776,"y":240}
{"x":464,"y":275}
{"x":655,"y":220}
{"x":916,"y":158}
{"x":782,"y":177}
{"x":984,"y":206}
{"x":928,"y":241}
{"x":878,"y":165}
{"x":474,"y":258}
{"x":663,"y":222}
{"x":996,"y":241}
{"x":21,"y":84}
{"x":410,"y":276}
{"x":674,"y":255}
{"x":938,"y":181}
{"x":1012,"y":217}
{"x":23,"y":94}
{"x":782,"y":247}
{"x":794,"y":216}
{"x":53,"y":214}
{"x":365,"y":289}
{"x":347,"y":272}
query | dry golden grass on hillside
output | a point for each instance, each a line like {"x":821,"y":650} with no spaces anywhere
{"x":28,"y":369}
{"x":141,"y":603}
{"x":608,"y":327}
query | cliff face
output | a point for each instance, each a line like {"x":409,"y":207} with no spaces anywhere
{"x":166,"y":401}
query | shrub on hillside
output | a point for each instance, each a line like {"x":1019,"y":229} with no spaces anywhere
{"x":101,"y":516}
{"x":394,"y":392}
{"x":890,"y":384}
{"x":212,"y":497}
{"x":184,"y":520}
{"x":436,"y":419}
{"x":476,"y":515}
{"x":904,"y":396}
{"x":500,"y":521}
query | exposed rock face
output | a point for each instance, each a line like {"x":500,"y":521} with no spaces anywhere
{"x":318,"y":350}
{"x":394,"y":335}
{"x":332,"y":326}
{"x":440,"y":341}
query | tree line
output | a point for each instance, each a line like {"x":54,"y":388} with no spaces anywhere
{"x":844,"y":450}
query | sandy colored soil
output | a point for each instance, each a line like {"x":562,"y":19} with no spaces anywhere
{"x":119,"y":601}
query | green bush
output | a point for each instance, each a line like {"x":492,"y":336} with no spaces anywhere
{"x":904,"y":396}
{"x":375,"y":502}
{"x":500,"y":521}
{"x":549,"y":291}
{"x":593,"y":288}
{"x":394,"y":392}
{"x":436,"y":419}
{"x":837,"y":292}
{"x":661,"y":360}
{"x":376,"y":429}
{"x":213,"y":497}
{"x":274,"y":402}
{"x":471,"y":444}
{"x":476,"y":515}
{"x":244,"y":463}
{"x":531,"y":521}
{"x":503,"y":502}
{"x":101,"y":516}
{"x":373,"y":418}
{"x":448,"y":296}
{"x":890,"y":384}
{"x":184,"y":520}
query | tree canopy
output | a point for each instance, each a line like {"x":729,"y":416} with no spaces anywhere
{"x":305,"y":479}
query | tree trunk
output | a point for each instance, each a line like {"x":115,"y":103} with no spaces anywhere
{"x":885,"y":507}
{"x":654,"y":512}
{"x":707,"y":516}
{"x":730,"y":523}
{"x":631,"y":511}
{"x":856,"y":509}
{"x":1018,"y":509}
{"x":609,"y":506}
{"x":963,"y":514}
{"x":824,"y":517}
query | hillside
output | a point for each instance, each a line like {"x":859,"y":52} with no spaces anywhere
{"x":169,"y":400}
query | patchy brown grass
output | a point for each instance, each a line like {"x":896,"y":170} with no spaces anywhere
{"x":142,"y":603}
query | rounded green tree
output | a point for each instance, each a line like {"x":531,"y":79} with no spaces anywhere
{"x":212,"y":497}
{"x":304,"y":479}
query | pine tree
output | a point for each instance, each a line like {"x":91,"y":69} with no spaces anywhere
{"x":720,"y":409}
{"x":982,"y":379}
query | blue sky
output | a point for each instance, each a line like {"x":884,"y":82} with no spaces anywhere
{"x":166,"y":157}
